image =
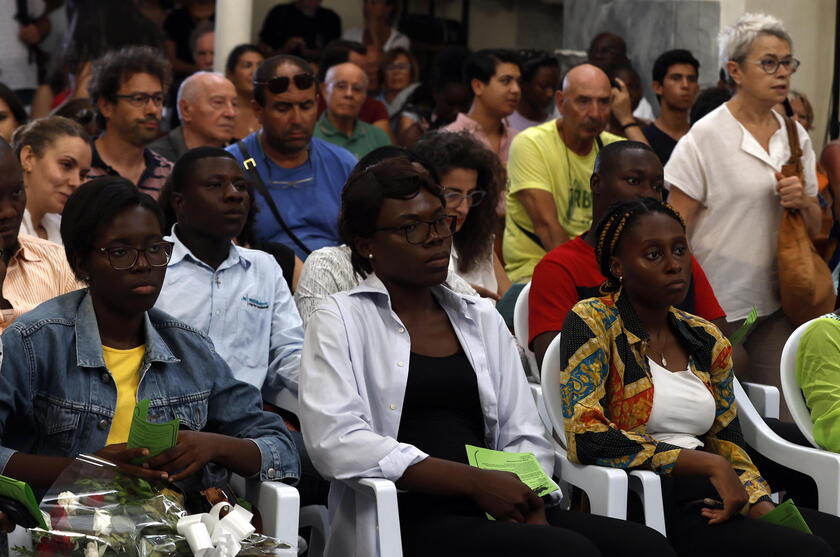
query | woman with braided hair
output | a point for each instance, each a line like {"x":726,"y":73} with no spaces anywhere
{"x":648,"y":386}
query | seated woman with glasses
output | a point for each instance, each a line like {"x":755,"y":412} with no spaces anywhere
{"x":400,"y":373}
{"x":469,"y":174}
{"x":648,"y":386}
{"x":75,"y":366}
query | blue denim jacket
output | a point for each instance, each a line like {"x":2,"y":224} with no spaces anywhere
{"x":58,"y":398}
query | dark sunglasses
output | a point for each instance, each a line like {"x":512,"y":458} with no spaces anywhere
{"x":280,"y":84}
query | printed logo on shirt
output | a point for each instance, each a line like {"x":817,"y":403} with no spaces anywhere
{"x":254,"y":303}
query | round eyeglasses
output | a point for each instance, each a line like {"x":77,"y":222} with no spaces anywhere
{"x":771,"y":65}
{"x":454,"y":198}
{"x":124,"y":258}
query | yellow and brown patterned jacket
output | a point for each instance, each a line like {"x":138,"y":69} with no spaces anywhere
{"x":608,"y":393}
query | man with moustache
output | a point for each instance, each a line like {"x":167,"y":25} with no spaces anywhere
{"x":128,"y":88}
{"x":302,"y":175}
{"x":548,"y":197}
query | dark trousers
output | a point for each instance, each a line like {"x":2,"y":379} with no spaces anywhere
{"x":572,"y":533}
{"x":796,"y":485}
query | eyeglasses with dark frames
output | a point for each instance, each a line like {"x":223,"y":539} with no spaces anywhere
{"x":454,"y":197}
{"x":419,"y":232}
{"x":125,"y":258}
{"x":277,"y":85}
{"x":771,"y":64}
{"x":139,"y":100}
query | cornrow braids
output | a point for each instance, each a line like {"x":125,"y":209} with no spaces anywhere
{"x":620,"y":218}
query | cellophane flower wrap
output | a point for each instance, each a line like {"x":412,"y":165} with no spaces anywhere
{"x":98,"y":511}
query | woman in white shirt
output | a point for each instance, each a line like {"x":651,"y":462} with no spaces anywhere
{"x":472,"y":177}
{"x":56,"y":156}
{"x":400,"y":373}
{"x":378,"y":31}
{"x":725,"y":181}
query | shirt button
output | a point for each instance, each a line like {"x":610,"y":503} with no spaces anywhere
{"x":400,"y":364}
{"x":393,"y":406}
{"x":271,"y":473}
{"x":105,"y":377}
{"x":103,"y":424}
{"x":401,"y":330}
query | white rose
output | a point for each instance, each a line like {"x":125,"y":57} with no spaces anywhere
{"x":69,"y":501}
{"x":102,"y":523}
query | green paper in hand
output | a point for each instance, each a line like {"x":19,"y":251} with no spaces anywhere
{"x":524,"y":465}
{"x":739,"y":335}
{"x":788,"y":515}
{"x":22,"y":493}
{"x":146,"y":435}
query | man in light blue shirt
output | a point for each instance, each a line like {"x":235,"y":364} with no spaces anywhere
{"x":303,"y":175}
{"x":237,"y":296}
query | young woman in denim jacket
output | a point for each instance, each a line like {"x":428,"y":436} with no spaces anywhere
{"x":58,"y":398}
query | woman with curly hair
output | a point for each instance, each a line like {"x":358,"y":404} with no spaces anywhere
{"x":469,"y":174}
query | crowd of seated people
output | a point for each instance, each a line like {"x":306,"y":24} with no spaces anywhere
{"x":307,"y":259}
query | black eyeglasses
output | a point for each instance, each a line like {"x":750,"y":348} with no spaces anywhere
{"x":139,"y":100}
{"x":771,"y":65}
{"x":124,"y":258}
{"x":454,"y":197}
{"x":280,"y":84}
{"x":419,"y":232}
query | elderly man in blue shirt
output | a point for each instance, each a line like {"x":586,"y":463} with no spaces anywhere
{"x":298,"y":177}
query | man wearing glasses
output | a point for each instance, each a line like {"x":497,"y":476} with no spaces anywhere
{"x":298,"y":178}
{"x":345,"y":91}
{"x":127,"y":86}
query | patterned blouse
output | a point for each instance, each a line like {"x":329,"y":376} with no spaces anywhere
{"x":607,"y":390}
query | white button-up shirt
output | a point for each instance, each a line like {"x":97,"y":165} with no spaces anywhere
{"x":353,"y":377}
{"x":246,"y":308}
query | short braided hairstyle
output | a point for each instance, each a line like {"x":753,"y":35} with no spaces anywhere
{"x":620,"y":218}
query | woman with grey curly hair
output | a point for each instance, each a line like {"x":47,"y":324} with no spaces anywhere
{"x":726,"y":182}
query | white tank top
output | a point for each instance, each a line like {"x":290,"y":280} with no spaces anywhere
{"x":683,"y":408}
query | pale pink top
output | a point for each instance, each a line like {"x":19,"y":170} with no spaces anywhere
{"x":464,"y":122}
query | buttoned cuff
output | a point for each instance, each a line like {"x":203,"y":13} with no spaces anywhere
{"x":278,"y":463}
{"x":395,"y":463}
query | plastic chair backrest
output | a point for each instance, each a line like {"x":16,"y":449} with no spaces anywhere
{"x":790,"y":387}
{"x":520,"y":318}
{"x":550,"y":382}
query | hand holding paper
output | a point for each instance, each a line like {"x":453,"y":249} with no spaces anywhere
{"x":155,"y":437}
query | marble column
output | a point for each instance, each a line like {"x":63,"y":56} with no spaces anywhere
{"x":233,"y":27}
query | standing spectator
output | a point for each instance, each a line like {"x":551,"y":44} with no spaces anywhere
{"x":675,"y":85}
{"x":540,"y":74}
{"x":207,"y":111}
{"x":725,"y":180}
{"x":378,"y":31}
{"x":303,"y":175}
{"x":607,"y":51}
{"x":302,"y":28}
{"x":241,"y":64}
{"x":23,"y":24}
{"x":179,"y":27}
{"x":55,"y":155}
{"x":128,"y":87}
{"x":201,"y":44}
{"x":345,"y":90}
{"x":493,"y":76}
{"x":549,"y":200}
{"x":12,"y":112}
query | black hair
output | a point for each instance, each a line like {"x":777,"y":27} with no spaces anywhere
{"x":18,"y":111}
{"x":532,"y":60}
{"x":608,"y":155}
{"x":94,"y":205}
{"x":237,"y":53}
{"x":182,"y":171}
{"x":449,"y":66}
{"x":269,"y":66}
{"x":338,"y":52}
{"x":117,"y":66}
{"x":482,"y":65}
{"x":364,"y":192}
{"x":670,"y":58}
{"x":708,"y":100}
{"x":446,"y":151}
{"x":620,"y":218}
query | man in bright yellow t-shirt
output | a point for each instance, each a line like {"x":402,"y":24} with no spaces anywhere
{"x":548,"y":199}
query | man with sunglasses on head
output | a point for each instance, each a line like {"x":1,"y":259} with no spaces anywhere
{"x":128,"y":88}
{"x":298,"y":178}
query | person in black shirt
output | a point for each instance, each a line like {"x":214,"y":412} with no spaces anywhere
{"x":675,"y":85}
{"x":178,"y":27}
{"x":302,"y":28}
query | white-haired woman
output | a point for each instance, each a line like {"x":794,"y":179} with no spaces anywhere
{"x":725,"y":181}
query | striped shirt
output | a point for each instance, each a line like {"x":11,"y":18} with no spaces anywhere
{"x":154,"y":175}
{"x":36,"y":273}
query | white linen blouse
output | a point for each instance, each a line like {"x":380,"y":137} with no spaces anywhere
{"x":353,"y":376}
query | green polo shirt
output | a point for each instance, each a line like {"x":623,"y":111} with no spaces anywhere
{"x":365,"y":138}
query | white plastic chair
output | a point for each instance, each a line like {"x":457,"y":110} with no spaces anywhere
{"x":279,"y":505}
{"x":790,"y":387}
{"x":520,"y":331}
{"x":606,"y":487}
{"x":388,"y":531}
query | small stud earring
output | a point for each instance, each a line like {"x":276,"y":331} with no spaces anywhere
{"x":370,"y":256}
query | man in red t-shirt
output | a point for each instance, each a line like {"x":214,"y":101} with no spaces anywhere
{"x":569,"y":273}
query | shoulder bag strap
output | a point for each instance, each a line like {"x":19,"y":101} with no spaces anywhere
{"x":251,"y":170}
{"x":794,"y":163}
